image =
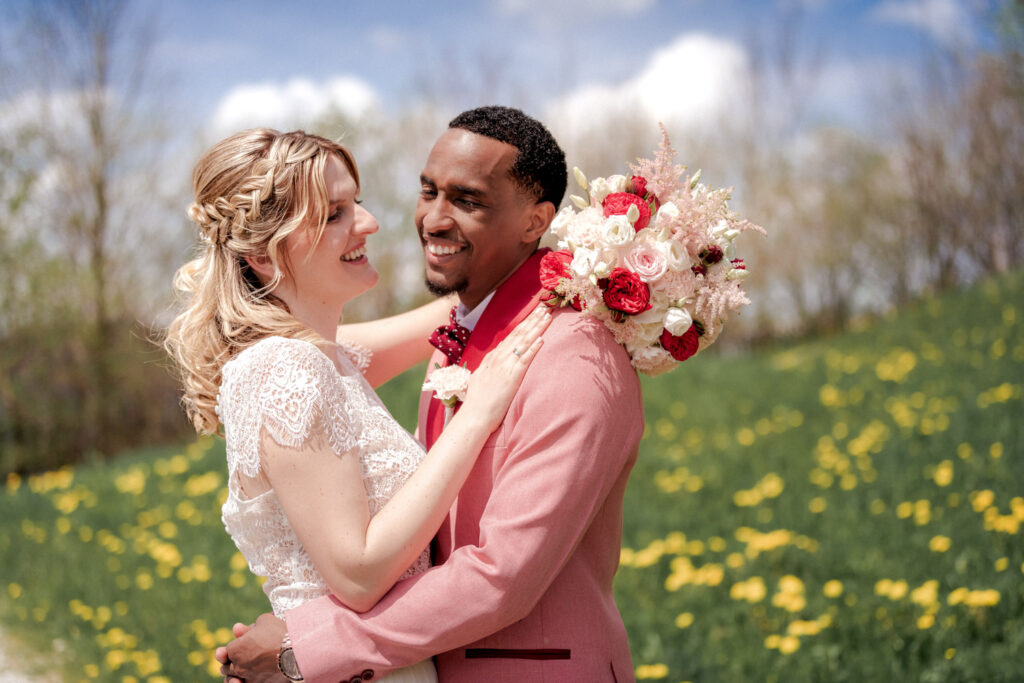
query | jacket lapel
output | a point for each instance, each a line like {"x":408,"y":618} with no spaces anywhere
{"x":513,"y":301}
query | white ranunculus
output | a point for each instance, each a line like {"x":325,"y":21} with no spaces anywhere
{"x":583,"y":261}
{"x":667,"y":215}
{"x":677,"y":320}
{"x":618,"y":231}
{"x":677,"y":256}
{"x":617,"y":183}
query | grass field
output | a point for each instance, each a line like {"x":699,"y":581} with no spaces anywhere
{"x":847,"y":509}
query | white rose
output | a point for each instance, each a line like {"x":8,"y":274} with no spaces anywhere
{"x":677,"y":256}
{"x":599,"y":189}
{"x":561,"y":222}
{"x":677,"y":321}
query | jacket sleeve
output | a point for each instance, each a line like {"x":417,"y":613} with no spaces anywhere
{"x":570,"y":433}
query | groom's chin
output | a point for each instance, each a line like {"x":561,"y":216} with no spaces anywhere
{"x":440,"y":288}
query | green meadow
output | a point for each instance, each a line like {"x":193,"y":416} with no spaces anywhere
{"x":840,"y":509}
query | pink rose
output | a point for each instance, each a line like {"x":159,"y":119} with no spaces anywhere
{"x":647,"y":260}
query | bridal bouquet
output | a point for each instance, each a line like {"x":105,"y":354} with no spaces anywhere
{"x":652,"y":257}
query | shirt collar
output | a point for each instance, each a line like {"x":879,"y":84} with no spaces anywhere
{"x":469,"y":318}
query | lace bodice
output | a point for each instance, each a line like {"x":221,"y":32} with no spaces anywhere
{"x":290,"y":391}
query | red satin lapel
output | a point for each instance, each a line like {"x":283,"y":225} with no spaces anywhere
{"x":513,"y":301}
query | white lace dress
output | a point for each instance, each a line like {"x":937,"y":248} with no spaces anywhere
{"x":289,"y":390}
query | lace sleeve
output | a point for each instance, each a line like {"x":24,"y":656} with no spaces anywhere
{"x":289,"y":389}
{"x":357,"y":354}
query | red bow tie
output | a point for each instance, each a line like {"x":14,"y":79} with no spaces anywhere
{"x":451,"y":339}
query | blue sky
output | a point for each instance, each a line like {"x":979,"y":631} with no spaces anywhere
{"x":553,"y":49}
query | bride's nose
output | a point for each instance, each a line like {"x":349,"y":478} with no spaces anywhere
{"x":366,"y":224}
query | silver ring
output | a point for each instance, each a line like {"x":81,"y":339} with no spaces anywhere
{"x":517,"y":353}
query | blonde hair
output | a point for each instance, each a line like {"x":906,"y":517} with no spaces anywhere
{"x":252,"y":190}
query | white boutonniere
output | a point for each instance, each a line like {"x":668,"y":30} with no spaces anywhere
{"x":449,"y":385}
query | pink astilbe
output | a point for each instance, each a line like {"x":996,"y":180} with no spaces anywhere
{"x":661,"y":173}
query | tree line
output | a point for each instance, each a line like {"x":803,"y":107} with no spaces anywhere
{"x":861,"y":220}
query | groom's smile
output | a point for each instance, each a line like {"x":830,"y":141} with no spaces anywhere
{"x":473,"y":219}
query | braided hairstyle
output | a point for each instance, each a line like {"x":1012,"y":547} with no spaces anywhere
{"x":252,"y":190}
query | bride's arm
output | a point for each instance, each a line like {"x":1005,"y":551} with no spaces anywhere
{"x":361,"y":557}
{"x":399,"y":342}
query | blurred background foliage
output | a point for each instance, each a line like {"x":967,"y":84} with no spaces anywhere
{"x":927,"y":197}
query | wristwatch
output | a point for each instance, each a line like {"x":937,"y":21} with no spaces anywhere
{"x":286,"y":661}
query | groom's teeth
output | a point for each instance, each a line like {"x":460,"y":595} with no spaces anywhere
{"x":353,"y":255}
{"x":438,"y":250}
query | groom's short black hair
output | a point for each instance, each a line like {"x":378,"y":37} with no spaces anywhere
{"x":539,"y":168}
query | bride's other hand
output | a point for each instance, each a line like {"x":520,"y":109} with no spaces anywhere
{"x":493,"y":384}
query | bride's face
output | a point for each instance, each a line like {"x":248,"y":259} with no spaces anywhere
{"x":336,"y":269}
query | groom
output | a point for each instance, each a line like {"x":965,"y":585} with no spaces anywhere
{"x":522,"y":589}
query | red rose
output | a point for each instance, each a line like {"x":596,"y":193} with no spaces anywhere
{"x":639,"y":185}
{"x":618,"y":203}
{"x":554,"y":266}
{"x":712,"y":254}
{"x":626,"y":292}
{"x":683,"y":346}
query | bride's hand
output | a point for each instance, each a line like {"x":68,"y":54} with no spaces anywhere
{"x":495,"y":382}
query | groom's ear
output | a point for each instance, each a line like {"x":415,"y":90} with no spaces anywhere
{"x":540,"y":217}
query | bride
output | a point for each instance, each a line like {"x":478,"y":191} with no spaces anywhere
{"x":326,"y":492}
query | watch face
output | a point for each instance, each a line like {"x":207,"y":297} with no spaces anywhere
{"x":287,"y":664}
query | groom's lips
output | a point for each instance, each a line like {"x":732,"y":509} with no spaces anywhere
{"x":439,"y":253}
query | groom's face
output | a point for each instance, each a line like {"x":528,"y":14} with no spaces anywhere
{"x":476,"y":225}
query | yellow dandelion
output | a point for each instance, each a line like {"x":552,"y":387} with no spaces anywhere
{"x":684,"y":620}
{"x":833,"y":588}
{"x":939,"y":544}
{"x":651,"y":671}
{"x":789,"y":644}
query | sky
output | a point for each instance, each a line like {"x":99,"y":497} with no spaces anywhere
{"x":236,"y":64}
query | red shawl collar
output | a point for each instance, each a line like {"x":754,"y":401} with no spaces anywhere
{"x":513,"y":301}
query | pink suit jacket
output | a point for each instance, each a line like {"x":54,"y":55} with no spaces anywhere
{"x":526,"y":557}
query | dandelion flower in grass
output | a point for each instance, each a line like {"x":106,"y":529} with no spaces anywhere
{"x":684,"y":620}
{"x":817,"y":505}
{"x":833,"y":588}
{"x":651,"y":671}
{"x":939,"y":544}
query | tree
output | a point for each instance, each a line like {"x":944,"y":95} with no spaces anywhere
{"x":90,"y":145}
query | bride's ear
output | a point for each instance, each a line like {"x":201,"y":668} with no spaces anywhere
{"x":262,"y":266}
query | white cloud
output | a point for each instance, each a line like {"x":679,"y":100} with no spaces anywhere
{"x":570,"y":7}
{"x":291,"y":104}
{"x":685,"y":85}
{"x":945,"y":20}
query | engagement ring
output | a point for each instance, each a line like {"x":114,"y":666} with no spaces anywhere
{"x":517,"y":352}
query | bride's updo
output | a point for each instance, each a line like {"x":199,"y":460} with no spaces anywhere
{"x":252,"y":190}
